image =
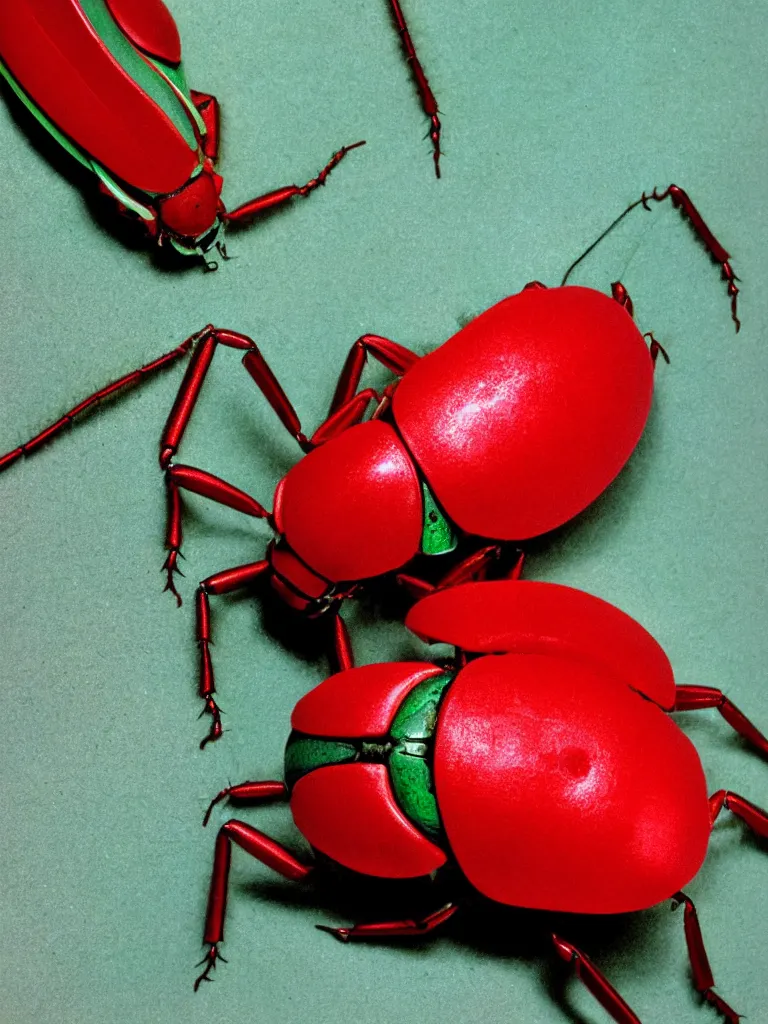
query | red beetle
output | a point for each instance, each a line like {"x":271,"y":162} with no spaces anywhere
{"x":105,"y":79}
{"x":542,"y":763}
{"x":506,"y":431}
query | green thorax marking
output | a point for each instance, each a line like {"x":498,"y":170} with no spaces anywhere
{"x":407,"y":751}
{"x":438,"y":536}
{"x":141,"y":72}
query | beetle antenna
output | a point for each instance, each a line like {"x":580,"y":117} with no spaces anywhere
{"x":599,"y":239}
{"x":682,"y":202}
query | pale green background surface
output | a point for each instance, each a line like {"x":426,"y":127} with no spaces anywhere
{"x":556,"y":116}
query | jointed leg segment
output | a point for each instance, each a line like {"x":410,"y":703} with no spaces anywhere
{"x":595,"y":981}
{"x":282,"y":195}
{"x":428,"y":101}
{"x":123,"y":383}
{"x":697,"y":698}
{"x":221,"y":583}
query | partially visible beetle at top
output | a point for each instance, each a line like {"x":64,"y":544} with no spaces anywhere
{"x":105,"y":79}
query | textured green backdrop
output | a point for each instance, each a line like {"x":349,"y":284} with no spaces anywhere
{"x":556,"y":116}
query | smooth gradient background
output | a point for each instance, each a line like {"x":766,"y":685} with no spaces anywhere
{"x":556,"y":117}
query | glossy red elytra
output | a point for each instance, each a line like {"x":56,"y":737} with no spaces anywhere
{"x":542,"y":762}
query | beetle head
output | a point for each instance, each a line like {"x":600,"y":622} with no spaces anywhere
{"x":190,"y":218}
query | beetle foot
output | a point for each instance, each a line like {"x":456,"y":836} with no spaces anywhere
{"x":211,"y":708}
{"x":169,"y":568}
{"x":342,"y":934}
{"x":721,"y":1006}
{"x":210,"y":959}
{"x":216,"y":800}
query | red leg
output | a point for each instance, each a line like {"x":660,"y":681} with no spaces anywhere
{"x":428,"y":101}
{"x":347,"y":416}
{"x":206,"y":343}
{"x":703,"y":979}
{"x":282,"y":195}
{"x":222,"y":583}
{"x":248,"y":792}
{"x":696,"y":698}
{"x":596,"y":982}
{"x":257,"y":366}
{"x":394,"y":929}
{"x":752,"y":815}
{"x":621,"y":295}
{"x":395,"y":357}
{"x":209,"y":486}
{"x":342,"y":646}
{"x":263,"y":849}
{"x":196,"y":480}
{"x":656,"y":349}
{"x":123,"y":383}
{"x":208,"y":108}
{"x":474,"y":567}
{"x":682,"y":201}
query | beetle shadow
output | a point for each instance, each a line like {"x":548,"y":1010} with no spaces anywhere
{"x":490,"y":930}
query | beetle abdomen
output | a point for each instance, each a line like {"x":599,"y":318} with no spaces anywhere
{"x":559,"y":790}
{"x":526,"y":415}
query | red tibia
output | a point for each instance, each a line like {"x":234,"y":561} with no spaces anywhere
{"x":206,"y":342}
{"x":416,"y":588}
{"x":682,"y":201}
{"x":221,"y":583}
{"x":428,"y":101}
{"x":208,"y":108}
{"x":752,"y":815}
{"x":395,"y":357}
{"x":248,"y":792}
{"x":621,"y":295}
{"x":213,"y":487}
{"x":596,"y":982}
{"x":257,"y":366}
{"x":703,"y":980}
{"x":173,"y":540}
{"x":472,"y":568}
{"x":342,"y":647}
{"x":694,"y":698}
{"x":124,"y":382}
{"x":263,"y":849}
{"x":394,"y":929}
{"x":281,"y":195}
{"x":347,"y":416}
{"x":517,"y":569}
